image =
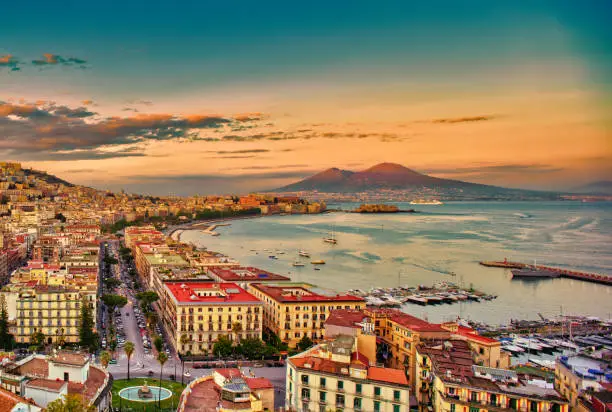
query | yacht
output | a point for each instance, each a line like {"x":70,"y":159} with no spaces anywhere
{"x":303,"y":253}
{"x":426,"y":202}
{"x":297,"y":263}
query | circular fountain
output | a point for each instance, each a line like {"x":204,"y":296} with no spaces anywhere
{"x":145,"y":393}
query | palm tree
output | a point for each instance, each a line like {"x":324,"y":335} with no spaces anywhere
{"x":105,"y":358}
{"x":161,"y":358}
{"x":185,"y":339}
{"x":129,"y":350}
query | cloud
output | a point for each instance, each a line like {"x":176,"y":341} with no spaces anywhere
{"x":469,"y":119}
{"x":87,"y":102}
{"x":497,"y":169}
{"x":94,"y":154}
{"x":141,"y":102}
{"x":10,"y":62}
{"x":197,"y":176}
{"x":31,"y":128}
{"x":243,"y":151}
{"x":76,"y":171}
{"x":50,"y":59}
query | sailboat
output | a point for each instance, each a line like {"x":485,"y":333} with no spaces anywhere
{"x":331,"y":238}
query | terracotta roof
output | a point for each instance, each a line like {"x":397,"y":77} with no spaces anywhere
{"x":407,"y":321}
{"x":298,"y":293}
{"x":188,"y":293}
{"x":259,"y":383}
{"x":68,"y":358}
{"x":240,"y":274}
{"x":8,"y":400}
{"x":95,"y":379}
{"x":473,"y":335}
{"x":346,"y":318}
{"x":46,"y":384}
{"x":36,"y":367}
{"x":229,"y":372}
{"x":395,"y":376}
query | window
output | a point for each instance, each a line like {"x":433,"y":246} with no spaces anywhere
{"x":305,"y":379}
{"x":66,"y":377}
{"x":533,"y":406}
{"x":358,"y":388}
{"x":376,"y":406}
{"x":474,"y":396}
{"x":396,"y":395}
{"x":472,"y":409}
{"x":323,"y":382}
{"x":357,"y":404}
{"x":305,"y":394}
{"x":322,"y":396}
{"x":396,"y":408}
{"x":340,"y":400}
{"x":340,"y":385}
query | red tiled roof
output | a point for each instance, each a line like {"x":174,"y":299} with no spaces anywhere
{"x":46,"y":384}
{"x":357,"y":357}
{"x":229,"y":372}
{"x":285,"y":294}
{"x":70,"y":358}
{"x":187,"y":293}
{"x":238,"y":274}
{"x":259,"y":383}
{"x":8,"y":400}
{"x":473,"y":335}
{"x":346,"y":318}
{"x":395,"y":376}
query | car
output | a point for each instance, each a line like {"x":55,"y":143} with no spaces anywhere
{"x":113,"y":361}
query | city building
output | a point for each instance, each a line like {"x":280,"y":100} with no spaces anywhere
{"x":53,"y":310}
{"x":195,"y":314}
{"x":337,"y":375}
{"x":148,"y":256}
{"x":293,"y":311}
{"x":10,"y":402}
{"x":447,"y":379}
{"x":243,"y":276}
{"x":227,"y":390}
{"x":43,"y":379}
{"x":579,"y":375}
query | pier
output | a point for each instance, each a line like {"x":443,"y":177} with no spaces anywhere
{"x":565,"y":273}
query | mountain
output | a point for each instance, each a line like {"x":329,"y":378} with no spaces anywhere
{"x":51,"y":179}
{"x":602,"y":187}
{"x":400,"y":178}
{"x":381,"y":176}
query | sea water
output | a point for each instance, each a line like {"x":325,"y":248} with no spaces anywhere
{"x":441,"y":243}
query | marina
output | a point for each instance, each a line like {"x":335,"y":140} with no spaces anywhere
{"x":439,"y":293}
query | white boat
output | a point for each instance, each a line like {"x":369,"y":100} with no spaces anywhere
{"x":542,"y":362}
{"x":513,"y":348}
{"x":297,"y":263}
{"x":303,"y":253}
{"x":331,"y":238}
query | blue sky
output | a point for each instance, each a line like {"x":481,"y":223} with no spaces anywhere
{"x":288,"y":61}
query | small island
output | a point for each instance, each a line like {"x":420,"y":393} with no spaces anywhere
{"x":380,"y":208}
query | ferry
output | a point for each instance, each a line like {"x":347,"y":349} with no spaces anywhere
{"x":318,"y":262}
{"x":426,"y":202}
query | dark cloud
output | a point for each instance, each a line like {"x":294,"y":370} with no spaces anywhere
{"x":243,"y":151}
{"x":10,"y":62}
{"x":85,"y":155}
{"x":469,"y":119}
{"x":141,"y":102}
{"x":50,"y":59}
{"x":498,"y":169}
{"x":43,"y":127}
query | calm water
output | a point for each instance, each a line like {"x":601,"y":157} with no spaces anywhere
{"x":413,"y":249}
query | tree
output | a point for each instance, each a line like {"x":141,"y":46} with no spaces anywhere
{"x":158,"y":342}
{"x":113,"y":345}
{"x":252,"y":348}
{"x":6,"y":339}
{"x":223,"y":347}
{"x":146,"y":298}
{"x":60,"y":217}
{"x":113,"y":301}
{"x":37,"y":339}
{"x":304,"y":343}
{"x":105,"y":358}
{"x":112,"y":283}
{"x":70,"y":403}
{"x":87,"y":337}
{"x":161,"y":358}
{"x":236,"y":330}
{"x":185,"y":339}
{"x":129,"y":350}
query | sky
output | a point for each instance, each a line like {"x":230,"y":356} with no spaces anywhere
{"x":188,"y":97}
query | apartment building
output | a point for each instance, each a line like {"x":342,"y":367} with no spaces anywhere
{"x":294,"y":310}
{"x":51,"y":309}
{"x":448,"y":380}
{"x":144,"y":234}
{"x":203,"y":311}
{"x":148,"y":256}
{"x":336,"y":375}
{"x":578,"y":376}
{"x":244,"y":276}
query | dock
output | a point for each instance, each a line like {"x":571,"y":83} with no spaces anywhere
{"x":565,"y":273}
